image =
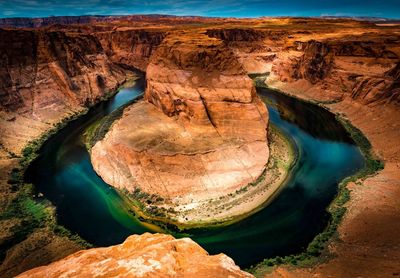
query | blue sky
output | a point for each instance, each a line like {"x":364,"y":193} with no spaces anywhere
{"x":226,"y":8}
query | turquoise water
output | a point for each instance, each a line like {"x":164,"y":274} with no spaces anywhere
{"x":88,"y":206}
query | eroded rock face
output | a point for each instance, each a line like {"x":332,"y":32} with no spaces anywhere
{"x":130,"y":47}
{"x":331,"y":64}
{"x":48,"y":75}
{"x":143,"y":256}
{"x":200,"y":135}
{"x":205,"y":85}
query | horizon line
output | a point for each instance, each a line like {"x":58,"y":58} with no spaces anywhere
{"x":355,"y":17}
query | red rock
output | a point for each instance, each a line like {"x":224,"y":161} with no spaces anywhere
{"x":147,"y":255}
{"x":200,"y":136}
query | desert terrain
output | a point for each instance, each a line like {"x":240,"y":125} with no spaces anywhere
{"x":197,"y":86}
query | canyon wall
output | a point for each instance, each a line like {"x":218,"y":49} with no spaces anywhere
{"x":328,"y":63}
{"x":130,"y":48}
{"x":46,"y":76}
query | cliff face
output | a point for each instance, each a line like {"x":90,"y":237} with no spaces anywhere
{"x":34,"y":60}
{"x":361,"y":68}
{"x":330,"y":63}
{"x":205,"y":85}
{"x":130,"y":47}
{"x":200,"y":135}
{"x":48,"y":75}
{"x":237,"y":35}
{"x":143,"y":256}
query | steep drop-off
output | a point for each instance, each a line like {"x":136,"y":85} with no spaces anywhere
{"x":329,"y":64}
{"x":143,"y":256}
{"x":47,"y":76}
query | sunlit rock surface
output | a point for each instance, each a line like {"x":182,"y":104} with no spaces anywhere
{"x":200,"y":134}
{"x":143,"y":256}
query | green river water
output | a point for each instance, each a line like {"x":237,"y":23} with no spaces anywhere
{"x":89,"y":207}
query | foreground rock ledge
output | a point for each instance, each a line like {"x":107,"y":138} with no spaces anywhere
{"x":144,"y":255}
{"x":200,"y":134}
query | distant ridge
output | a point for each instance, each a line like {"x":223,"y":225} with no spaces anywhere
{"x":27,"y":22}
{"x":361,"y":18}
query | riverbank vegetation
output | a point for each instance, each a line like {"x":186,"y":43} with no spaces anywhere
{"x":317,"y":250}
{"x":29,"y":212}
{"x":99,"y":129}
{"x":223,"y":210}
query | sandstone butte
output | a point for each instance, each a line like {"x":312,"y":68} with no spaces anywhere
{"x":200,"y":134}
{"x":353,"y":68}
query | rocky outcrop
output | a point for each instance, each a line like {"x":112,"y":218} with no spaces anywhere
{"x":143,"y":256}
{"x":200,"y":135}
{"x":205,"y":85}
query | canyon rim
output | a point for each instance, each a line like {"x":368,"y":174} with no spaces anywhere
{"x":196,"y":149}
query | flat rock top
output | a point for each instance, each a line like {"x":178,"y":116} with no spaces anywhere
{"x":144,"y":255}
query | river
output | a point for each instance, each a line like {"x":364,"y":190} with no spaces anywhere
{"x":94,"y":210}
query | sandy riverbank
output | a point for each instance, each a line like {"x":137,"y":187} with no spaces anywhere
{"x":237,"y":205}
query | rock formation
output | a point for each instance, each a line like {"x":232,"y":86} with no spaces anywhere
{"x":200,"y":135}
{"x":143,"y":256}
{"x":46,"y":74}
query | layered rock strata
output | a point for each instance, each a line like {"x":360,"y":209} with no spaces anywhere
{"x":200,"y":134}
{"x":353,"y":70}
{"x":287,"y":51}
{"x":143,"y":256}
{"x":48,"y":76}
{"x":328,"y":64}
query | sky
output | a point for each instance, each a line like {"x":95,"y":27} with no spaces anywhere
{"x":223,"y":8}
